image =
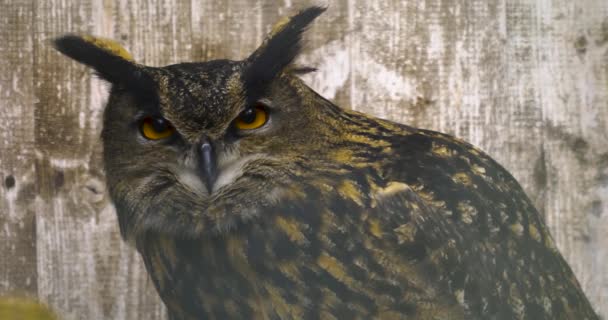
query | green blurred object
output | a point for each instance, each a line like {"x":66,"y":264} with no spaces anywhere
{"x":22,"y":308}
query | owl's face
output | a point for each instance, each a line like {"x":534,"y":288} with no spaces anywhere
{"x":202,"y":132}
{"x":214,"y":141}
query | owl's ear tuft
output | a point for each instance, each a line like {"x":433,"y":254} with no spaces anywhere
{"x":109,"y":60}
{"x":279,"y":49}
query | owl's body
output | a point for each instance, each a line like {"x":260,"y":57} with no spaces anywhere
{"x":249,"y":196}
{"x":401,"y":223}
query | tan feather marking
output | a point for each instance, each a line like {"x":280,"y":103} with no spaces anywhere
{"x":329,"y":300}
{"x":459,"y":294}
{"x":334,"y":267}
{"x":259,"y":307}
{"x":389,"y":315}
{"x":549,"y":243}
{"x":467,"y":211}
{"x":349,"y":190}
{"x":375,"y":227}
{"x":295,"y":193}
{"x":475,"y":151}
{"x":234,"y":248}
{"x":392,"y":126}
{"x":392,"y":188}
{"x":441,"y":150}
{"x":350,"y":157}
{"x":534,"y":233}
{"x":326,"y":315}
{"x":291,"y":271}
{"x":323,"y":184}
{"x":328,"y":225}
{"x":516,"y":302}
{"x":396,"y":266}
{"x":479,"y":170}
{"x":517,"y":228}
{"x":292,"y":229}
{"x":462,"y":178}
{"x":388,"y":150}
{"x":284,"y":309}
{"x":367,"y":140}
{"x":109,"y":45}
{"x":406,"y":233}
{"x":278,"y":26}
{"x":428,"y":196}
{"x":342,"y":155}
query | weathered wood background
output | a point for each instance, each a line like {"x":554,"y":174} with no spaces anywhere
{"x":526,"y":80}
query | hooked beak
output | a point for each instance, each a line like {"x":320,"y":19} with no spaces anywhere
{"x":207,"y":163}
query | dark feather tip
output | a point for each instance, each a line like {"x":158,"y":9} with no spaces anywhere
{"x":303,"y":70}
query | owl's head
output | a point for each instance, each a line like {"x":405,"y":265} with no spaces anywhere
{"x":197,"y":147}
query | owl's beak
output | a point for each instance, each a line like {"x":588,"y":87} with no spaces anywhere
{"x":207,"y":163}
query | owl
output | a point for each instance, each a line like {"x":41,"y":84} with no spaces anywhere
{"x":250,"y":196}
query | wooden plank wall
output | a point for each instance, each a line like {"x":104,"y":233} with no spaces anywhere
{"x":526,"y":80}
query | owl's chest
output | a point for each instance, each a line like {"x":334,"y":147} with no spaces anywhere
{"x":266,"y":273}
{"x":236,"y":277}
{"x":303,"y":260}
{"x":211,"y":278}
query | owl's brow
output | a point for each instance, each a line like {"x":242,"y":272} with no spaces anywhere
{"x":165,"y":82}
{"x":177,"y":79}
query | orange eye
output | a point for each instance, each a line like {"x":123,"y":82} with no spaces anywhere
{"x":251,"y":118}
{"x":156,"y":128}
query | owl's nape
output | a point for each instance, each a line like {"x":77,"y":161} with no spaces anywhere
{"x":250,"y":196}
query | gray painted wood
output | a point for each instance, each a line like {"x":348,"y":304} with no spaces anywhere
{"x":525,"y":80}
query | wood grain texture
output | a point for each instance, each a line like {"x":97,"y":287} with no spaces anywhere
{"x":17,"y":174}
{"x":525,"y":80}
